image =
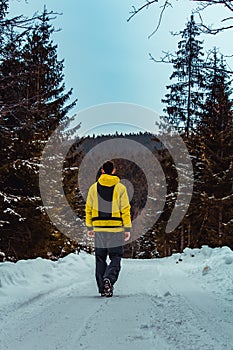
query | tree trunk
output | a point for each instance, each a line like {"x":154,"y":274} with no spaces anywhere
{"x":220,"y":226}
{"x":182,"y":238}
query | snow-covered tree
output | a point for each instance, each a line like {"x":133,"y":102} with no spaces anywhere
{"x":213,"y":157}
{"x":33,"y":104}
{"x":185,"y":94}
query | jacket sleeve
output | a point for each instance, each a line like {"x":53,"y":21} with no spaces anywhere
{"x":125,"y":210}
{"x":88,"y":210}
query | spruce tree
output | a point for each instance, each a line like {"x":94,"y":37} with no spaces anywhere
{"x":183,"y":106}
{"x":186,"y":93}
{"x":38,"y":100}
{"x":214,"y":157}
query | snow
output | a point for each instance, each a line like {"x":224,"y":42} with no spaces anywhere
{"x":180,"y":302}
{"x":2,"y":223}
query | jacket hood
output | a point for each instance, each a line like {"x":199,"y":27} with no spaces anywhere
{"x":108,"y":180}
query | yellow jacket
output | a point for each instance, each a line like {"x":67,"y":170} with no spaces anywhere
{"x":107,"y":206}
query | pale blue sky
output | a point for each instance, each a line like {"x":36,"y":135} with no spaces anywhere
{"x":107,"y":58}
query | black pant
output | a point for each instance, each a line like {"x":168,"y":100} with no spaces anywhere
{"x":105,"y":245}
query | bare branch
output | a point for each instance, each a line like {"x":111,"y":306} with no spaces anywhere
{"x":226,"y":3}
{"x":165,"y":5}
{"x":208,"y":30}
{"x":203,"y":4}
{"x":227,"y":19}
{"x":23,"y":22}
{"x":137,"y":10}
{"x":167,"y":58}
{"x":229,"y":6}
{"x":201,"y":7}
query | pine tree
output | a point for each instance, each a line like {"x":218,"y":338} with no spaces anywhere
{"x":36,"y":94}
{"x":3,"y":12}
{"x":183,"y":106}
{"x":10,"y":66}
{"x":214,"y":157}
{"x":185,"y":94}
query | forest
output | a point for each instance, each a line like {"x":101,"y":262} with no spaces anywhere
{"x":34,"y":102}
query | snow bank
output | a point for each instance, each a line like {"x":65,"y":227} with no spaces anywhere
{"x":162,"y":304}
{"x":205,"y":255}
{"x":211,"y":267}
{"x":41,"y":272}
{"x":33,"y":276}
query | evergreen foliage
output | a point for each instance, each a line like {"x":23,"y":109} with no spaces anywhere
{"x":213,"y":158}
{"x":186,"y":93}
{"x":208,"y":137}
{"x":33,"y":103}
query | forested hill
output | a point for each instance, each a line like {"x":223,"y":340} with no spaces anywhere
{"x":145,"y":138}
{"x":127,"y":169}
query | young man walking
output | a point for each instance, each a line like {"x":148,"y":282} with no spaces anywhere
{"x":108,"y":220}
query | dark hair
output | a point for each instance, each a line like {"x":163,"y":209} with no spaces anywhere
{"x":108,"y":167}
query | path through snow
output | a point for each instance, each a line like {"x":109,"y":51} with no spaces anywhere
{"x":162,"y":304}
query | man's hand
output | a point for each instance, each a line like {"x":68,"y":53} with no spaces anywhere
{"x":91,"y":234}
{"x":127,"y":236}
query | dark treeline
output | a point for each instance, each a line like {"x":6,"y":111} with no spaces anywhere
{"x":198,"y":105}
{"x":34,"y":101}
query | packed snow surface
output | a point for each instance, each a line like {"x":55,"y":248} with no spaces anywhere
{"x":181,"y":302}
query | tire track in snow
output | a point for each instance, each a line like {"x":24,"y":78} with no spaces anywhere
{"x":117,"y":325}
{"x":48,"y":321}
{"x":160,"y":310}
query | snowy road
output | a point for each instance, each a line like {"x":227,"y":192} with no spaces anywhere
{"x":158,"y":304}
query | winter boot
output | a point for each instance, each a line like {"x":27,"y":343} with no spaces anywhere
{"x":108,"y":288}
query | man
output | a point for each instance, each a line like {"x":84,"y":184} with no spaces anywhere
{"x":108,"y":220}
